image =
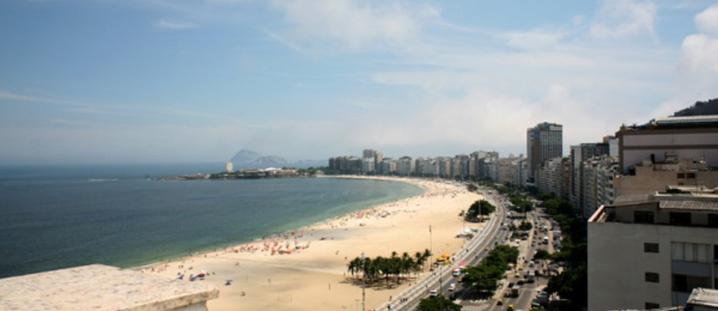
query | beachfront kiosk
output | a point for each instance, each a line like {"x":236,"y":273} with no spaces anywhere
{"x":100,"y":287}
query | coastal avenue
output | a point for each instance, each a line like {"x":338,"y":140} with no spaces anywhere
{"x":472,"y":253}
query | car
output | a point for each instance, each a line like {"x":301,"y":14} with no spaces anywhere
{"x":456,"y":272}
{"x":500,"y":302}
{"x":520,"y":282}
{"x":433,"y":293}
{"x":452,"y":287}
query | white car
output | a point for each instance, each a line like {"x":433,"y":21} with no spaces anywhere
{"x":456,"y":272}
{"x":433,"y":293}
{"x":452,"y":287}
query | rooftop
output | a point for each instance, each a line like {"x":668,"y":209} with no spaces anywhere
{"x":675,"y":199}
{"x":701,"y":121}
{"x":100,"y":287}
{"x":704,"y":297}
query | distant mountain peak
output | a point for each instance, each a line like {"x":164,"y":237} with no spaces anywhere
{"x":246,"y":158}
{"x":709,"y":107}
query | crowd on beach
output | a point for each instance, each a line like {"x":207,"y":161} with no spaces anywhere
{"x":296,"y":241}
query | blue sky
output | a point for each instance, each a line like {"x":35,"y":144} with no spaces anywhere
{"x":194,"y":81}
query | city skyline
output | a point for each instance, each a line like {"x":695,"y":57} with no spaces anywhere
{"x":180,"y":81}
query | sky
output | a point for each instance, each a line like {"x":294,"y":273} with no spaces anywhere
{"x":160,"y":81}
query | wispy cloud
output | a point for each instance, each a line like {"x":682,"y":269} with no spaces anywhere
{"x":624,"y":18}
{"x":355,"y":25}
{"x":173,"y":25}
{"x":84,"y":107}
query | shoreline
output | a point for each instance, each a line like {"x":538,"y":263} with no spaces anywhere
{"x":307,"y":226}
{"x":295,"y":270}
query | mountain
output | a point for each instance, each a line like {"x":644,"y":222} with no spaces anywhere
{"x":250,"y":159}
{"x":271,"y":161}
{"x":244,"y":156}
{"x":709,"y":107}
{"x":247,"y":159}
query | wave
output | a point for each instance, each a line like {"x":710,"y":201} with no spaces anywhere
{"x":102,"y":179}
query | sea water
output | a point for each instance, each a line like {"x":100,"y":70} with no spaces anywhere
{"x":57,"y":217}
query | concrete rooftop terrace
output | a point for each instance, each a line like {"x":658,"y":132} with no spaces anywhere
{"x":100,"y":287}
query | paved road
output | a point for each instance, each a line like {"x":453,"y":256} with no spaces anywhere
{"x":472,"y":252}
{"x":528,"y":291}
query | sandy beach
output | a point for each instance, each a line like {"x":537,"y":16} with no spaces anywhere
{"x":306,"y":269}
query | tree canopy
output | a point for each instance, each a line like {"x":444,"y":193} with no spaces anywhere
{"x":485,"y":276}
{"x":479,"y":208}
{"x":438,"y":303}
{"x":373,"y":270}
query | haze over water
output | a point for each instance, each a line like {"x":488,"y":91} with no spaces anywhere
{"x":60,"y":217}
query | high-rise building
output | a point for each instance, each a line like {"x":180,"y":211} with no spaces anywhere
{"x":229,"y":167}
{"x":579,"y":154}
{"x":405,"y":166}
{"x":368,"y":166}
{"x":651,"y":253}
{"x":543,"y":142}
{"x":444,"y":164}
{"x":549,"y":178}
{"x":369,"y":153}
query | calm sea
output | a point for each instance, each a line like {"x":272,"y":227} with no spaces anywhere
{"x":52,"y":217}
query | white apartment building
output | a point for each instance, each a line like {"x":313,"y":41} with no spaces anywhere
{"x":368,"y":166}
{"x":652,"y":252}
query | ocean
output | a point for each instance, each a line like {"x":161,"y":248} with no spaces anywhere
{"x":57,"y":217}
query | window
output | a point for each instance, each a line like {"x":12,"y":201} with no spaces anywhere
{"x":680,"y":219}
{"x":681,"y":175}
{"x":685,"y":284}
{"x":652,"y":277}
{"x":713,"y":220}
{"x":651,"y":305}
{"x":650,"y":247}
{"x":691,"y":175}
{"x":643,"y":217}
{"x":691,"y":252}
{"x":680,"y":283}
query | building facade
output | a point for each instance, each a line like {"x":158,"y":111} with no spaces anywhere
{"x":543,"y":142}
{"x":694,"y":137}
{"x":653,"y":252}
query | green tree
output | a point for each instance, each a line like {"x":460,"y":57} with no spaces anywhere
{"x":490,"y":270}
{"x":542,"y":254}
{"x":525,"y":226}
{"x":437,"y":303}
{"x":479,"y":208}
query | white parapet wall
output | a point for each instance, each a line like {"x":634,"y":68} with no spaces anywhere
{"x":100,"y":287}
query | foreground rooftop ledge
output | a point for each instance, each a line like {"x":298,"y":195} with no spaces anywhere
{"x":100,"y":287}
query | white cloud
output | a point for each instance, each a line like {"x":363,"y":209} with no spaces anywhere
{"x":173,"y":25}
{"x":697,"y":71}
{"x":707,"y":21}
{"x":624,"y":18}
{"x":536,"y":38}
{"x":700,"y":53}
{"x":355,"y":24}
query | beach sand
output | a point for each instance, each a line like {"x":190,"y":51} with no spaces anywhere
{"x":265,"y":276}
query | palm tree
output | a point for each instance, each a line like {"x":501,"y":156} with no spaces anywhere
{"x":355,"y":266}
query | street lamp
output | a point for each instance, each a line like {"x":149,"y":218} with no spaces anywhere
{"x":363,"y":285}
